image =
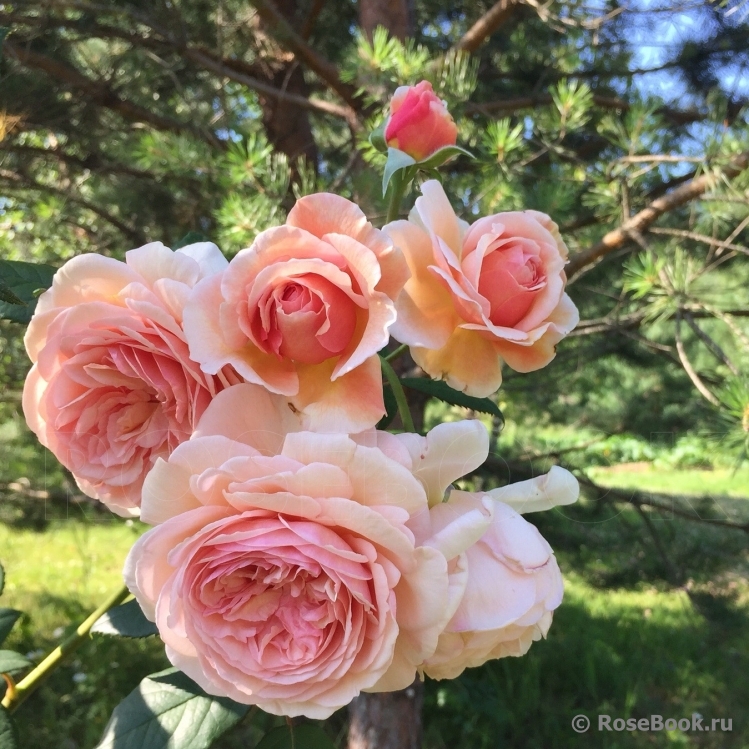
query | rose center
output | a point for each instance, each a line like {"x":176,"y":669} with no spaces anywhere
{"x":282,"y":611}
{"x":307,"y":319}
{"x":511,"y":279}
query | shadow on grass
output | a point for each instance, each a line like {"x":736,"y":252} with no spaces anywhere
{"x":607,"y":654}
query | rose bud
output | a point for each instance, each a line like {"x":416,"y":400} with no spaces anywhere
{"x":419,"y":123}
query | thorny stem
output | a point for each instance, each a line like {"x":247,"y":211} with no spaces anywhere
{"x":32,"y":681}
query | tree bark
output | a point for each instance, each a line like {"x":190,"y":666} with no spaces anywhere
{"x":391,"y":720}
{"x":392,"y":14}
{"x":286,"y":124}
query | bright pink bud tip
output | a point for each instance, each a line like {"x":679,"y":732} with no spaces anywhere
{"x":419,"y":122}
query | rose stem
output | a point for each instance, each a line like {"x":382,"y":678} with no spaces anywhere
{"x":397,"y":352}
{"x":397,"y":189}
{"x":400,"y":396}
{"x":32,"y":681}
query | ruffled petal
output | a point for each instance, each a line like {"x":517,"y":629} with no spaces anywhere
{"x":556,"y":488}
{"x":448,"y":452}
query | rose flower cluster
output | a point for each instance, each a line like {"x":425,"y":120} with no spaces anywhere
{"x":298,"y":555}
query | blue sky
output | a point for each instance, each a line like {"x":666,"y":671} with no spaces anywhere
{"x":657,"y":36}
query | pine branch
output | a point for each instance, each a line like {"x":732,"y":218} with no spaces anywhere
{"x":656,"y":501}
{"x":712,"y":346}
{"x":222,"y":67}
{"x":24,"y":182}
{"x":715,"y":243}
{"x":485,"y":26}
{"x":668,"y":185}
{"x":641,"y":221}
{"x":635,"y":320}
{"x":289,"y":38}
{"x":509,"y":106}
{"x":92,"y":162}
{"x":310,"y":20}
{"x":688,"y":368}
{"x":101,"y":93}
{"x":235,"y":70}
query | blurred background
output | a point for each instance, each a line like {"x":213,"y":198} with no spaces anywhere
{"x":176,"y":120}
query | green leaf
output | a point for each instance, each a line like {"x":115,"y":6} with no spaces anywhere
{"x":8,"y":618}
{"x":442,"y":391}
{"x":126,"y":620}
{"x":11,"y":661}
{"x":190,"y":238}
{"x":306,"y":736}
{"x":2,"y":579}
{"x":168,"y":709}
{"x":391,"y":407}
{"x":8,"y":735}
{"x":438,"y":158}
{"x":22,"y":281}
{"x":397,"y":160}
{"x":377,"y":139}
{"x":7,"y":295}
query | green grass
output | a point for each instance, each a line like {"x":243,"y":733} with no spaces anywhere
{"x":720,"y":481}
{"x":71,"y":559}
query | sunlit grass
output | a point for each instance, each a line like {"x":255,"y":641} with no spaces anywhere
{"x":69,"y":560}
{"x":720,"y":481}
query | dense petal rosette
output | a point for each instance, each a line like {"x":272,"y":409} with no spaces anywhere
{"x":113,"y":386}
{"x":282,"y":571}
{"x":482,"y":294}
{"x":304,"y":311}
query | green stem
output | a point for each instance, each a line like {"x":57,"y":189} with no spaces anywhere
{"x":32,"y":681}
{"x":398,"y":185}
{"x":400,"y":396}
{"x":397,"y":352}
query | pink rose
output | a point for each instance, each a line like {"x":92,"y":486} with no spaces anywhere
{"x":507,"y":583}
{"x":480,"y":295}
{"x":304,"y":311}
{"x":282,"y":571}
{"x":113,"y":387}
{"x":419,"y":123}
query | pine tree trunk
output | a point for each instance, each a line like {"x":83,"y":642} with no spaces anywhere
{"x":392,"y":14}
{"x":391,"y":720}
{"x":286,"y":124}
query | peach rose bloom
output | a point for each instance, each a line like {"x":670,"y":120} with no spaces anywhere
{"x":481,"y":294}
{"x":113,"y":387}
{"x":304,"y":311}
{"x":507,"y":583}
{"x":282,"y":571}
{"x":419,"y":123}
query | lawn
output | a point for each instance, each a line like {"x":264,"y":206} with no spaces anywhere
{"x":717,"y":482}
